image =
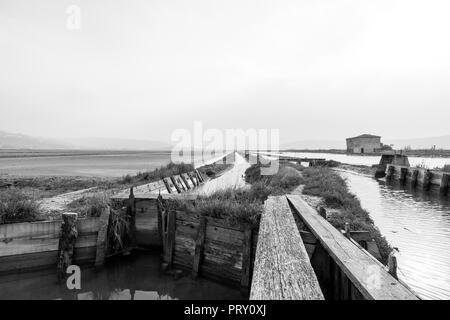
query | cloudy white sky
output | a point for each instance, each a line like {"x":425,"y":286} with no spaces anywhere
{"x":140,"y":69}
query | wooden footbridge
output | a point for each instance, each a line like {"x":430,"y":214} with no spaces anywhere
{"x":309,"y":259}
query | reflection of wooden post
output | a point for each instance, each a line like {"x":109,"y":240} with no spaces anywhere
{"x":102,"y":238}
{"x":403,"y":173}
{"x":444,"y":183}
{"x":67,"y":239}
{"x":414,"y":178}
{"x":427,"y":179}
{"x":392,"y":264}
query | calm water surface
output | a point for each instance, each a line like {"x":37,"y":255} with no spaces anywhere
{"x":106,"y":164}
{"x":417,"y":224}
{"x":135,"y":277}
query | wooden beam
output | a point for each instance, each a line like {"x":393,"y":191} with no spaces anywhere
{"x":282,"y":268}
{"x":357,"y":266}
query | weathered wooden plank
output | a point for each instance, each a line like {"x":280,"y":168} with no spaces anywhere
{"x":199,"y":245}
{"x":357,"y":266}
{"x":282,"y":268}
{"x":29,"y":229}
{"x":170,"y":242}
{"x":102,"y":238}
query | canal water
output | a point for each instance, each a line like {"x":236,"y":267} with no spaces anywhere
{"x":418,"y":224}
{"x":134,"y":277}
{"x":430,"y":163}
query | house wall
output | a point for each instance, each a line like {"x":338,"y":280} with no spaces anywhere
{"x":370,"y":145}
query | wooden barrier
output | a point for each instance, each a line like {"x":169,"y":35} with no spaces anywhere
{"x":344,"y":271}
{"x":208,"y":247}
{"x":282,"y":268}
{"x":425,"y":178}
{"x":34,"y":245}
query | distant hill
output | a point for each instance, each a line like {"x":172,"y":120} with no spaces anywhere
{"x":314,"y":145}
{"x":20,"y":141}
{"x":118,"y":144}
{"x":442,"y":142}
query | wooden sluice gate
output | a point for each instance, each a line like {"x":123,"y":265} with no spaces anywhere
{"x":419,"y":177}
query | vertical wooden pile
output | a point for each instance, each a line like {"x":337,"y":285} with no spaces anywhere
{"x":67,"y":241}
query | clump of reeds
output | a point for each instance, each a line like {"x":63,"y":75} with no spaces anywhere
{"x":159,"y":173}
{"x":18,"y":206}
{"x":90,"y":205}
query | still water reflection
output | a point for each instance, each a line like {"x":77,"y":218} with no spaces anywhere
{"x":418,"y":224}
{"x":136,"y":277}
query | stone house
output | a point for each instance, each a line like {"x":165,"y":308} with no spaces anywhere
{"x":365,"y":143}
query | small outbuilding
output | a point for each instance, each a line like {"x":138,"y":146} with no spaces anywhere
{"x":365,"y":143}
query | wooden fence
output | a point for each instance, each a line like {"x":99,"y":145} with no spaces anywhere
{"x":35,"y":245}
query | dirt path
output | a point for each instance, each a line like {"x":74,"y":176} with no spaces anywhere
{"x":55,"y":205}
{"x":233,"y":178}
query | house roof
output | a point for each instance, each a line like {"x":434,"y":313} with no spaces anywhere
{"x":365,"y":136}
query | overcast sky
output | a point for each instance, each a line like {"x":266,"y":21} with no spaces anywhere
{"x":140,"y":69}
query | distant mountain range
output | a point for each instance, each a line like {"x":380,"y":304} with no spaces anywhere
{"x":442,"y":142}
{"x":20,"y":141}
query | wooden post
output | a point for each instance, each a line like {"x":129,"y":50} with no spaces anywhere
{"x":102,"y":238}
{"x":66,"y":246}
{"x":132,"y":214}
{"x":185,"y":181}
{"x":175,"y":184}
{"x":170,"y":241}
{"x":392,"y":264}
{"x":347,"y":230}
{"x":246,"y":260}
{"x":323,"y":212}
{"x":161,"y":219}
{"x":199,"y":245}
{"x":169,"y":189}
{"x":444,"y":183}
{"x":192,"y":179}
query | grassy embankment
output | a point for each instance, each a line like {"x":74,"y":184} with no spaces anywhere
{"x":332,"y":188}
{"x":245,"y":206}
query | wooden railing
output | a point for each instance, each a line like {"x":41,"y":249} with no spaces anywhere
{"x":344,"y":270}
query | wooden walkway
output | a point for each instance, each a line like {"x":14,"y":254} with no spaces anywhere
{"x":355,"y":274}
{"x":282,"y":268}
